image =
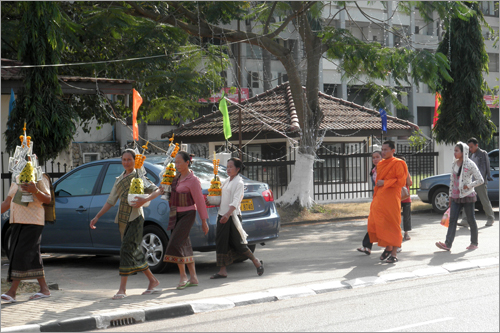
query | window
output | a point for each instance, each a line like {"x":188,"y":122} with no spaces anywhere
{"x":253,"y":79}
{"x":253,"y":52}
{"x":417,"y":30}
{"x":80,"y":182}
{"x":375,"y":38}
{"x":90,"y":157}
{"x":282,"y":78}
{"x":489,"y":8}
{"x":493,"y":64}
{"x":114,"y":170}
{"x":425,"y":115}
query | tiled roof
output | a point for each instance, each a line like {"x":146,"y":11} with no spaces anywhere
{"x":273,"y":111}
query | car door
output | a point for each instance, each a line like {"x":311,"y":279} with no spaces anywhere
{"x":106,"y":235}
{"x":73,"y":197}
{"x":493,"y":185}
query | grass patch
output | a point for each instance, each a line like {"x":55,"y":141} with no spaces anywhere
{"x":319,"y":212}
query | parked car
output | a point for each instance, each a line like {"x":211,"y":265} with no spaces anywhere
{"x":435,"y":189}
{"x":82,"y":192}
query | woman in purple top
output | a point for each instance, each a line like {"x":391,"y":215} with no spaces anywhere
{"x":186,"y":198}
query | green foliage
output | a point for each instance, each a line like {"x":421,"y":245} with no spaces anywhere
{"x":463,"y":113}
{"x":417,"y":139}
{"x":50,"y":121}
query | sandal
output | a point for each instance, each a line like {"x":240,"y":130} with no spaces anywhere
{"x":385,"y":254}
{"x":442,"y":246}
{"x":472,"y":247}
{"x":364,"y":250}
{"x":392,"y":260}
{"x":8,"y":299}
{"x":406,"y":237}
{"x":183,"y":286}
{"x":260,"y":269}
{"x":119,"y":296}
{"x":218,"y":276}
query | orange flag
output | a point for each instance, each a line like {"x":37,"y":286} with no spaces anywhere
{"x":136,"y":103}
{"x":437,"y":102}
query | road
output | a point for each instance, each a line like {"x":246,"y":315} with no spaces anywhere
{"x":467,"y":301}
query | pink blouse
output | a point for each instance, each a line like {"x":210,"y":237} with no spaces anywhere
{"x":192,"y":184}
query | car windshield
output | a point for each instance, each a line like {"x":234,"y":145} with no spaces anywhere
{"x":202,"y":168}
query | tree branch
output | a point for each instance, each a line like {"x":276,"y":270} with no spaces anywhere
{"x":289,"y":19}
{"x":266,"y":25}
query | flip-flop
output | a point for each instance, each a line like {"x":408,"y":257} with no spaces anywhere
{"x":8,"y":299}
{"x":218,"y":276}
{"x":260,"y":269}
{"x":183,"y":286}
{"x":119,"y":296}
{"x":190,"y":284}
{"x":385,"y":254}
{"x":151,"y":291}
{"x":363,"y":250}
{"x":38,"y":296}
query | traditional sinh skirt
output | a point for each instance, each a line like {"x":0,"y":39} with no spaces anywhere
{"x":132,"y":260}
{"x":228,"y":242}
{"x":25,"y":260}
{"x":179,"y":249}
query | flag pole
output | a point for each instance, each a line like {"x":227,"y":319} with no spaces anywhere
{"x":239,"y":95}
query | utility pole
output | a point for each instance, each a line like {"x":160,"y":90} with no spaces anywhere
{"x":239,"y":94}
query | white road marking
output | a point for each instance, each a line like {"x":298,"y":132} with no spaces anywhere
{"x":418,"y":324}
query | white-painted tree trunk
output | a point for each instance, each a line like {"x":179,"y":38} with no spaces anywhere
{"x":300,"y":187}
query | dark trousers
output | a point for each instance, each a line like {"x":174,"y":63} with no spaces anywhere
{"x":366,"y":242}
{"x":228,"y":242}
{"x":406,"y":215}
{"x":452,"y":228}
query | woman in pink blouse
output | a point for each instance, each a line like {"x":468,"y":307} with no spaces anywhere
{"x":186,"y":198}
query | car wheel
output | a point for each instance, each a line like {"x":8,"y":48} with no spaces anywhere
{"x":154,"y":243}
{"x":440,"y":200}
{"x":241,"y":258}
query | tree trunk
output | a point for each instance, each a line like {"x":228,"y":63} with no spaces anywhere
{"x":266,"y":68}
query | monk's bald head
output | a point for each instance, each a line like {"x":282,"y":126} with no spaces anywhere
{"x":388,"y":149}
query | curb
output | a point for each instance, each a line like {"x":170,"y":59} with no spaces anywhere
{"x":342,"y":219}
{"x":128,"y":317}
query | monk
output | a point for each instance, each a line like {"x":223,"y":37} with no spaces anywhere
{"x":384,"y":220}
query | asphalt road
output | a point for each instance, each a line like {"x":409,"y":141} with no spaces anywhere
{"x":467,"y":301}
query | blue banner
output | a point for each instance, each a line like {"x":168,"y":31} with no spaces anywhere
{"x":383,"y":116}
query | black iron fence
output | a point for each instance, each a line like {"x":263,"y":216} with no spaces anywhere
{"x":341,"y":171}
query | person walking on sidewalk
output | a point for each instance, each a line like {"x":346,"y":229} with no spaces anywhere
{"x":462,"y":195}
{"x":480,"y":157}
{"x":130,"y":219}
{"x":230,"y":237}
{"x":384,"y":220}
{"x":27,"y":221}
{"x":185,"y":199}
{"x":367,"y":245}
{"x":406,"y":206}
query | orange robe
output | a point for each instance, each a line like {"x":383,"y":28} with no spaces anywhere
{"x":384,"y":220}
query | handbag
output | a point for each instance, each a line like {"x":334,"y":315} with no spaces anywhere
{"x":50,"y":208}
{"x":445,"y":220}
{"x":405,"y":194}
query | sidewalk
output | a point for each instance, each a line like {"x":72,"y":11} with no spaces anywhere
{"x":80,"y":309}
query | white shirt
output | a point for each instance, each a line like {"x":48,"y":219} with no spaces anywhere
{"x":232,"y":194}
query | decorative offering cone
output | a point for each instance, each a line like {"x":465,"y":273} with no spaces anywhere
{"x":214,"y":192}
{"x":169,"y":173}
{"x":137,"y":184}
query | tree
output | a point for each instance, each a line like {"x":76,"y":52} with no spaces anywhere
{"x":50,"y":121}
{"x":171,"y":75}
{"x":463,"y":113}
{"x":357,"y":58}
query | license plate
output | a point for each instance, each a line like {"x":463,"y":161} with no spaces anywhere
{"x":246,"y":204}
